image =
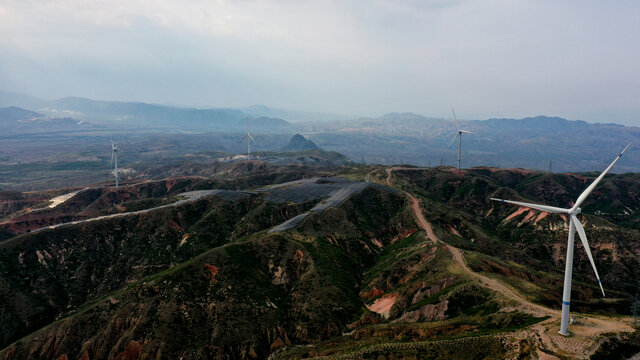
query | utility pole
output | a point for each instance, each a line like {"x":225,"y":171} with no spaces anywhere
{"x":550,"y":165}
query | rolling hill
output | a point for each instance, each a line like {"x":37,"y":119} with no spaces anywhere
{"x":177,"y":269}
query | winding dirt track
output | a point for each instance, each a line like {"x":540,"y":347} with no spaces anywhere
{"x":584,"y":337}
{"x":189,"y":196}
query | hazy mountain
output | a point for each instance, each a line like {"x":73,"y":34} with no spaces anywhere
{"x":536,"y":142}
{"x":143,"y":115}
{"x":8,"y":98}
{"x":12,"y":114}
{"x":294,"y":116}
{"x":126,"y":116}
{"x":527,"y":143}
{"x":14,"y":121}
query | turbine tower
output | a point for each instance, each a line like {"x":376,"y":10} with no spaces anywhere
{"x":249,"y":138}
{"x":459,"y":136}
{"x":574,"y":225}
{"x":114,"y":160}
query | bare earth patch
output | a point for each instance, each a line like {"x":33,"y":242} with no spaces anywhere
{"x":383,"y":305}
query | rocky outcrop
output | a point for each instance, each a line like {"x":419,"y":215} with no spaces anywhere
{"x":429,"y":312}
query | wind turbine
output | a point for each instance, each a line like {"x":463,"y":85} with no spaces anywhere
{"x":574,"y":225}
{"x":114,"y":159}
{"x":249,"y":138}
{"x":459,"y":136}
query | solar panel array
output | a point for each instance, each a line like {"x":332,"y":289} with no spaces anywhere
{"x":230,"y":195}
{"x":337,"y":193}
{"x":304,"y":190}
{"x":290,"y":224}
{"x":333,"y":190}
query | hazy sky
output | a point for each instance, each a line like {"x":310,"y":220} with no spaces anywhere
{"x":507,"y":58}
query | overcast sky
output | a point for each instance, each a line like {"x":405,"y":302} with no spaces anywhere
{"x":508,"y":58}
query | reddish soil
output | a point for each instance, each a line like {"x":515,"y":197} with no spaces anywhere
{"x":213,"y":271}
{"x":374,"y":292}
{"x":520,"y":211}
{"x":383,"y":305}
{"x":132,"y":352}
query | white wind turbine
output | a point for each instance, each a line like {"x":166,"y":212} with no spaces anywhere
{"x":249,"y":138}
{"x":114,"y":159}
{"x":574,"y":224}
{"x":459,"y":136}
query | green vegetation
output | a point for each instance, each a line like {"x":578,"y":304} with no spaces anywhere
{"x":619,"y":348}
{"x":435,"y":298}
{"x":356,"y":280}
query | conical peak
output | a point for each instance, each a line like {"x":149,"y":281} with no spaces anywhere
{"x":300,"y":143}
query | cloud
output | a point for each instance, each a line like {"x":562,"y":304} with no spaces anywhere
{"x":487,"y":58}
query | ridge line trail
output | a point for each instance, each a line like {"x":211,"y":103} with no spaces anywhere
{"x":602,"y":325}
{"x":493,"y":284}
{"x":190,"y":196}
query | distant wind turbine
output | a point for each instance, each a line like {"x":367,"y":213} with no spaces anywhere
{"x":574,"y":224}
{"x":249,"y":138}
{"x":114,"y":160}
{"x":459,"y":136}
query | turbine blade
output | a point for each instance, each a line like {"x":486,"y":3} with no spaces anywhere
{"x":453,"y":139}
{"x":546,"y":208}
{"x":244,"y":137}
{"x":454,"y":119}
{"x":585,"y":244}
{"x":251,"y":137}
{"x":112,"y":152}
{"x":588,"y":190}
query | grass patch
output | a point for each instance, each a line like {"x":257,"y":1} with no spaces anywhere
{"x":435,"y":298}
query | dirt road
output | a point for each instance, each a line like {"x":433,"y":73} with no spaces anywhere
{"x":490,"y":283}
{"x":189,"y":196}
{"x":585,"y":335}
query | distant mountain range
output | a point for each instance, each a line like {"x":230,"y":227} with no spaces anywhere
{"x":293,"y":116}
{"x":541,"y":142}
{"x":137,"y":115}
{"x":15,"y":121}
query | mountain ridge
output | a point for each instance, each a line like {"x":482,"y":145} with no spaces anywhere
{"x":541,"y":142}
